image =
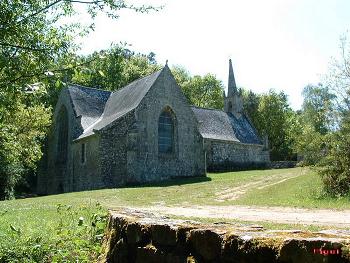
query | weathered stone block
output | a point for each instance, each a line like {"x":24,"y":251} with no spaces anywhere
{"x":219,"y":243}
{"x":119,"y":253}
{"x":206,"y":242}
{"x":150,"y":254}
{"x":163,"y":235}
{"x":137,"y":234}
{"x":295,"y":250}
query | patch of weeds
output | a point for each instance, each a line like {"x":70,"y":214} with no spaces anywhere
{"x":71,"y":234}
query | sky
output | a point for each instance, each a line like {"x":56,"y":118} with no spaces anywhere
{"x":274,"y":44}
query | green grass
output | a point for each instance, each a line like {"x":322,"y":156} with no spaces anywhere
{"x":304,"y":191}
{"x":48,"y":229}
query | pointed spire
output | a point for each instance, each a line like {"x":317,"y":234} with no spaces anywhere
{"x":232,"y":88}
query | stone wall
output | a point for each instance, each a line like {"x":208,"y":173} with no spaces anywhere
{"x":283,"y":164}
{"x":134,"y":236}
{"x":144,"y":162}
{"x":228,"y":156}
{"x":87,"y":175}
{"x":113,"y":149}
{"x":58,"y":177}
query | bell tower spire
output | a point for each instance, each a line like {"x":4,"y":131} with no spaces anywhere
{"x":232,"y":88}
{"x":233,"y":103}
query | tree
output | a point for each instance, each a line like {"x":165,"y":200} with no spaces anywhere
{"x":315,"y":121}
{"x":335,"y":166}
{"x":202,"y":91}
{"x":21,"y":135}
{"x":274,"y":118}
{"x":33,"y":35}
{"x":308,"y":143}
{"x":338,"y":78}
{"x":113,"y":68}
{"x":318,"y":108}
{"x":251,"y":103}
{"x":138,"y":66}
{"x":181,"y":75}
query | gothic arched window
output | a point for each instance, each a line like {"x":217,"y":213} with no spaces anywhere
{"x":62,"y":140}
{"x":166,"y":131}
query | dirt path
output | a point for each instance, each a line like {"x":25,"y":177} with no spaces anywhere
{"x":236,"y":192}
{"x":286,"y":215}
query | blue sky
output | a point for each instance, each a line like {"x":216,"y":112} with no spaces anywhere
{"x":274,"y":44}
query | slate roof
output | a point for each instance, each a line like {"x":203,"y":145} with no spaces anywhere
{"x":219,"y":125}
{"x":118,"y":104}
{"x":88,"y":103}
{"x":99,"y":108}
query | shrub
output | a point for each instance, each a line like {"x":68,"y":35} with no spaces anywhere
{"x":335,"y":167}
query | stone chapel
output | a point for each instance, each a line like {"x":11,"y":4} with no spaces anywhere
{"x":144,"y":132}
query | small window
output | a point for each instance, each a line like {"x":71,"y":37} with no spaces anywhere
{"x":62,"y":140}
{"x":83,"y":153}
{"x":166,"y":132}
{"x":229,"y":106}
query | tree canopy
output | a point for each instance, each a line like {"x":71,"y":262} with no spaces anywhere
{"x":202,"y":91}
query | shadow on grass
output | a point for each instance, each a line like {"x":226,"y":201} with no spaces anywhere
{"x":165,"y":183}
{"x":169,"y":182}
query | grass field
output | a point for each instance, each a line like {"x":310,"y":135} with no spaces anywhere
{"x":302,"y":191}
{"x":69,"y":227}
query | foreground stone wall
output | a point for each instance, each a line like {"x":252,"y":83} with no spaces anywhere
{"x":228,"y":156}
{"x":134,"y":236}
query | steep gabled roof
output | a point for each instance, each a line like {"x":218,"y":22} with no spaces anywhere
{"x":214,"y":124}
{"x":88,"y":103}
{"x":121,"y":102}
{"x":219,"y":125}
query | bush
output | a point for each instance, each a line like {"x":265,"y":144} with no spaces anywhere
{"x":335,"y":167}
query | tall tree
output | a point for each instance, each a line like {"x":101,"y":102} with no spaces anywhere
{"x":316,"y":119}
{"x":334,"y":168}
{"x":318,"y":108}
{"x":113,"y":68}
{"x":205,"y":91}
{"x":273,"y":117}
{"x":251,"y":102}
{"x":202,"y":91}
{"x":338,"y":77}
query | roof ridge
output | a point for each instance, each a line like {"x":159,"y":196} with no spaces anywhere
{"x":137,"y":80}
{"x":202,"y":108}
{"x":86,"y":87}
{"x":115,"y":108}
